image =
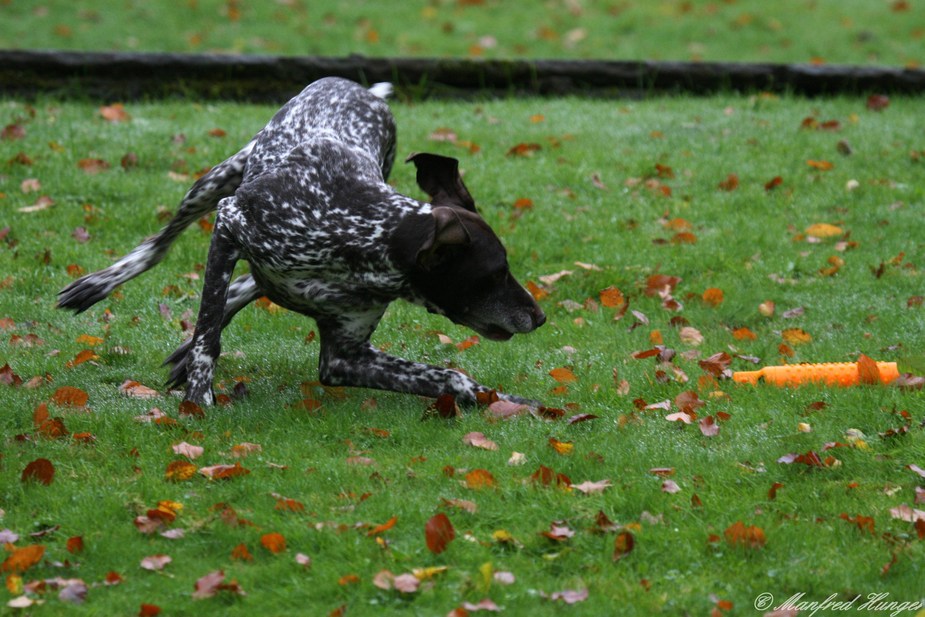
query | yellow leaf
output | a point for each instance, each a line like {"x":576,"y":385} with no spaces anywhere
{"x":824,"y":230}
{"x":562,"y":447}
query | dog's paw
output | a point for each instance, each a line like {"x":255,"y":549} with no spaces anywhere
{"x":84,"y":292}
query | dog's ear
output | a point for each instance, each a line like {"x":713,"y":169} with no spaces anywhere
{"x":449,"y":230}
{"x":438,"y":176}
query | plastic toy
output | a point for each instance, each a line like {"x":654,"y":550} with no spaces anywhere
{"x":830,"y":374}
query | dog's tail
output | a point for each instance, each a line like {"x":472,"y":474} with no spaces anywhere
{"x":383,"y":89}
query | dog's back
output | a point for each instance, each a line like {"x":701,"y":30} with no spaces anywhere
{"x":331,"y":107}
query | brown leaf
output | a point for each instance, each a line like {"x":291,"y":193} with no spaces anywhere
{"x":114,"y":113}
{"x":69,"y":396}
{"x":563,"y":375}
{"x":40,"y":470}
{"x":133,"y":389}
{"x":480,"y":478}
{"x":877,"y":102}
{"x":179,"y":471}
{"x":623,"y":545}
{"x":214,"y":582}
{"x":612,"y":298}
{"x":731,"y":183}
{"x":738,"y":534}
{"x":93,"y":166}
{"x":243,"y":449}
{"x":189,"y":408}
{"x":463,"y":504}
{"x":23,"y":558}
{"x":581,"y":417}
{"x":524,"y":149}
{"x":868,"y":371}
{"x":558,"y":532}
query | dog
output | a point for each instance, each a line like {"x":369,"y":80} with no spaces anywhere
{"x":307,"y":205}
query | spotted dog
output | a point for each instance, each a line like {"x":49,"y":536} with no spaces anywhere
{"x":307,"y":205}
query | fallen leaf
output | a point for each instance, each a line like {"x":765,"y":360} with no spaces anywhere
{"x":243,"y":449}
{"x":378,"y":529}
{"x":589,"y":488}
{"x":179,"y":471}
{"x":479,"y":440}
{"x":563,"y":375}
{"x":69,"y":396}
{"x":241,"y":553}
{"x":438,"y":533}
{"x":23,"y":558}
{"x":480,"y":478}
{"x":463,"y":504}
{"x":709,"y":427}
{"x":155,"y":563}
{"x":222,"y":472}
{"x":738,"y":534}
{"x":214,"y":582}
{"x":40,"y":470}
{"x":623,"y":545}
{"x":671,"y":487}
{"x":75,"y":544}
{"x":114,"y":113}
{"x":568,"y":596}
{"x":562,"y":447}
{"x":188,"y":450}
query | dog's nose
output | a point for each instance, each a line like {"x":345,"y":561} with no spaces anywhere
{"x":539,"y":318}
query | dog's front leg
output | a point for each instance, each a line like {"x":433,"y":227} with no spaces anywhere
{"x":347,"y":361}
{"x":206,"y":342}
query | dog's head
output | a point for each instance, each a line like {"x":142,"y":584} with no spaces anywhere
{"x":455,"y":263}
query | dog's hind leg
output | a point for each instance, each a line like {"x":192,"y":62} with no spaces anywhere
{"x":203,"y":197}
{"x":206,"y":344}
{"x":242,"y":291}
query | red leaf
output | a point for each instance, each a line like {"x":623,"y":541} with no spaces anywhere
{"x":273,"y":542}
{"x":878,"y":102}
{"x":438,"y":533}
{"x":75,"y":544}
{"x":40,"y":470}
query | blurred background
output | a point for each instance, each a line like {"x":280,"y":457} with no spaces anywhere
{"x":865,"y":32}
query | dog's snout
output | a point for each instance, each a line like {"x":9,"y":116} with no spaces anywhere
{"x":539,"y":318}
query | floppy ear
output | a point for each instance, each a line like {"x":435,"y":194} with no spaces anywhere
{"x":438,"y":176}
{"x":448,"y":230}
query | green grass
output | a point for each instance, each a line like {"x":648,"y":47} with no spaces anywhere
{"x":834,"y":31}
{"x":748,"y":243}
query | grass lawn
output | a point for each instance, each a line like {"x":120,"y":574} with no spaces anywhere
{"x":607,"y":194}
{"x":834,"y":31}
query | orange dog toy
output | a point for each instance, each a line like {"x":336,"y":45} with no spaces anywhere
{"x":830,"y":374}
